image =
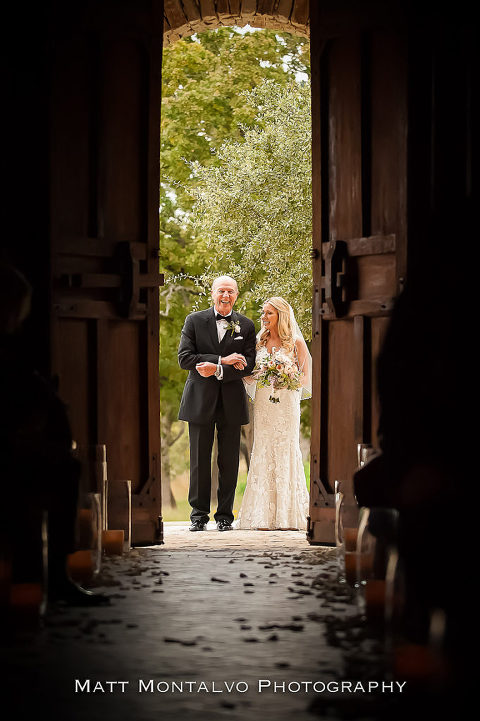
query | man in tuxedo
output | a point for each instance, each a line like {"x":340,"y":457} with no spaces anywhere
{"x":218,"y":348}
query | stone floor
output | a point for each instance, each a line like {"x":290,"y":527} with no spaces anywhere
{"x":195,"y":616}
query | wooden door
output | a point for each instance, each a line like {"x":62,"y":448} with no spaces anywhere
{"x":359,"y":116}
{"x":105,"y":126}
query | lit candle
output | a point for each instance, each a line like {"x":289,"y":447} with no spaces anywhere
{"x":80,"y":566}
{"x":417,"y":663}
{"x":358,"y":566}
{"x":350,"y":537}
{"x":375,"y":599}
{"x":112,"y":542}
{"x":364,"y":566}
{"x":351,"y":567}
{"x":85,"y":528}
{"x":25,"y":601}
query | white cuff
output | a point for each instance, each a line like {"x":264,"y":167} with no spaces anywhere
{"x":219,"y":372}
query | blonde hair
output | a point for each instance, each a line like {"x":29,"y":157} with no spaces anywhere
{"x":285,"y":330}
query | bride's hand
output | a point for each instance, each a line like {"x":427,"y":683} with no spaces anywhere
{"x":235,"y":359}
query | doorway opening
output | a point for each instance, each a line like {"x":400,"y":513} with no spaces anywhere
{"x":235,"y":198}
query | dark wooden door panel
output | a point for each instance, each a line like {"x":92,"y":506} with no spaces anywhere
{"x":342,"y":381}
{"x":359,"y":118}
{"x":120,"y":407}
{"x":104,"y":242}
{"x":71,"y":353}
{"x":388,"y":138}
{"x":123,"y":161}
{"x":70,"y":141}
{"x":344,"y":139}
{"x":378,"y":329}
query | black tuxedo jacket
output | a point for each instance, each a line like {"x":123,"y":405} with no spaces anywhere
{"x":198,"y":344}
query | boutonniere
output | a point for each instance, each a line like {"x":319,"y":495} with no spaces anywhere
{"x":233,"y":327}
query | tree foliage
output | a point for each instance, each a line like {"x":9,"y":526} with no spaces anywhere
{"x":253,"y":207}
{"x":203,"y":78}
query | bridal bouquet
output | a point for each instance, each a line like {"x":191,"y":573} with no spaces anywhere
{"x":278,"y":371}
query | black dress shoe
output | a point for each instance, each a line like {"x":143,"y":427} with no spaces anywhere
{"x":224,"y":525}
{"x":198,"y":526}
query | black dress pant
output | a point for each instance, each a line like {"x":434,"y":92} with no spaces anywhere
{"x":201,"y":444}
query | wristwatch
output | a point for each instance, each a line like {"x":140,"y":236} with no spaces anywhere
{"x":218,"y":371}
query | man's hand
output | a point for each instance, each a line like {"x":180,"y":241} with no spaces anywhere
{"x":235,"y":359}
{"x":206,"y":369}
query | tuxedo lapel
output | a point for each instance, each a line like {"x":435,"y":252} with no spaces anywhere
{"x":212,"y":329}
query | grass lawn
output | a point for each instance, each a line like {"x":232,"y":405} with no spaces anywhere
{"x":182,"y":511}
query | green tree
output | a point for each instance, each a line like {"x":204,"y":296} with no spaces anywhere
{"x":253,"y":208}
{"x":202,"y":81}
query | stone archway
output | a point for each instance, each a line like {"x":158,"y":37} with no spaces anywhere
{"x":185,"y":17}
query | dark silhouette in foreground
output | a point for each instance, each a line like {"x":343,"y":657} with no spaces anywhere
{"x":426,"y":460}
{"x":38,"y":470}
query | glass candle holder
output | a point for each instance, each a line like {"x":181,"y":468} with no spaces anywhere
{"x":93,"y":459}
{"x":28,"y":575}
{"x":340,"y":548}
{"x":365,"y":453}
{"x":85,"y":562}
{"x":118,"y":509}
{"x":113,"y":542}
{"x":394,"y":593}
{"x":425,"y":666}
{"x":377,"y":534}
{"x":346,"y":528}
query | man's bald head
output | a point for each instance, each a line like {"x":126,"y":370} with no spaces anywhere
{"x":224,"y":279}
{"x":224,"y":294}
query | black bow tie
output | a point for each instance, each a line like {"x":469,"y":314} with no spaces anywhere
{"x":228,"y":318}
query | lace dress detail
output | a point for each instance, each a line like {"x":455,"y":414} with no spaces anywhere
{"x":276,"y":494}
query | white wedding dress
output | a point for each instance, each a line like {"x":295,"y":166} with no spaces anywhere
{"x":276,"y":494}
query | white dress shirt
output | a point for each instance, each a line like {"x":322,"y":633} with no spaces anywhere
{"x":221,"y":330}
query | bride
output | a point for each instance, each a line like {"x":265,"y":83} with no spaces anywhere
{"x":276,"y":495}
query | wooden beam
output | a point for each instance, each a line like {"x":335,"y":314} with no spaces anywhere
{"x":191,"y":10}
{"x":266,"y":7}
{"x":249,"y":8}
{"x":373,"y":245}
{"x":300,"y":12}
{"x":235,"y":7}
{"x":380,"y":307}
{"x":207,"y":10}
{"x":99,"y":247}
{"x":100,"y":309}
{"x":223,"y":10}
{"x":174,"y":13}
{"x":284,"y":10}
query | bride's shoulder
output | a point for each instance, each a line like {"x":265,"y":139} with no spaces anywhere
{"x":300,"y":343}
